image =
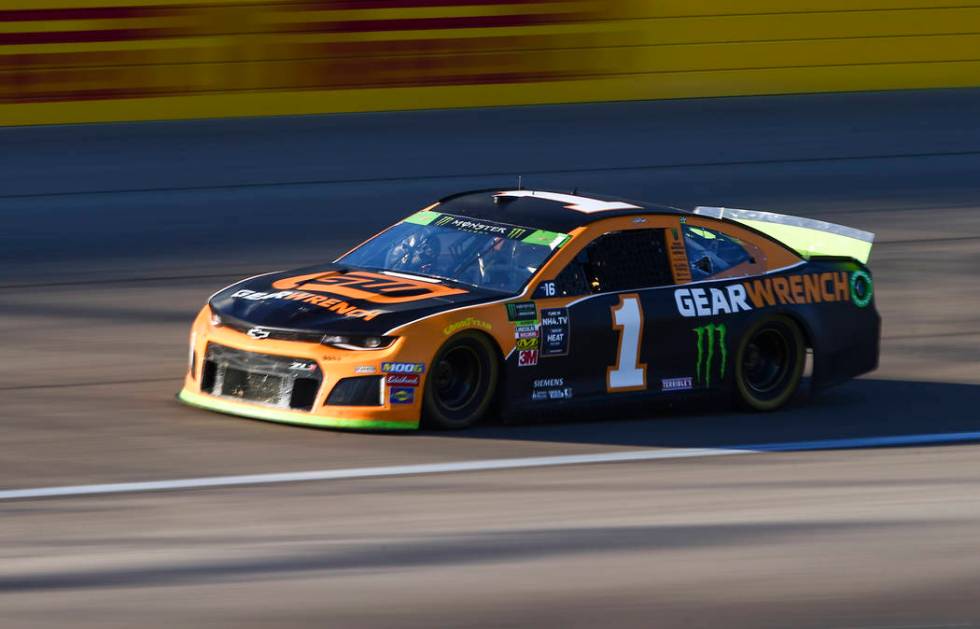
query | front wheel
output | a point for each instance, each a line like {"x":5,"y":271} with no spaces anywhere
{"x":769,"y":364}
{"x":461,"y":383}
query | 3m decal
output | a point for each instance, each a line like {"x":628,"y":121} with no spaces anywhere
{"x":334,"y":305}
{"x":372,"y":287}
{"x":861,"y":289}
{"x":403,"y":379}
{"x":708,"y":337}
{"x":401,"y":395}
{"x":628,"y":374}
{"x":527,"y":343}
{"x":522,"y":311}
{"x":677,"y":384}
{"x":466,"y":323}
{"x":527,"y":358}
{"x":554,"y":332}
{"x":403,"y":367}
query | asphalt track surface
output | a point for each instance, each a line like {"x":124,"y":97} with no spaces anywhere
{"x":113,"y":236}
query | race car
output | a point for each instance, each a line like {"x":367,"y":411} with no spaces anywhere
{"x":514,"y":301}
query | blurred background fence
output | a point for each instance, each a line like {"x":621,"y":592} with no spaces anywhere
{"x":103,"y":60}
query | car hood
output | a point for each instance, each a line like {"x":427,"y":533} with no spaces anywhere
{"x":340,"y":299}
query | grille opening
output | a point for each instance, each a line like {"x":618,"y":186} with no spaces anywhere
{"x":304,"y":393}
{"x":358,"y":391}
{"x":208,"y":375}
{"x":279,"y":381}
{"x":193,"y":365}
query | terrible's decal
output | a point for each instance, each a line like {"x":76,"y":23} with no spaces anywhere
{"x":333,"y":305}
{"x":402,"y":367}
{"x":466,"y":324}
{"x":403,"y":379}
{"x":372,"y":287}
{"x":812,"y":288}
{"x":711,"y":342}
{"x":677,"y":384}
{"x":401,"y":395}
{"x":554,"y":332}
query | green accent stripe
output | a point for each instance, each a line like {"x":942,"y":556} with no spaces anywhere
{"x":423,"y":218}
{"x":546,"y":238}
{"x":211,"y":403}
{"x":814,"y":242}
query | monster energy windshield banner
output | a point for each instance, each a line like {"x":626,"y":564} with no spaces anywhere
{"x":527,"y":235}
{"x":712,"y":353}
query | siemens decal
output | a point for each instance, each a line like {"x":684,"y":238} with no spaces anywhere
{"x":813,"y":288}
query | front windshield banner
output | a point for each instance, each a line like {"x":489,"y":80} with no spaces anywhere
{"x":476,"y":252}
{"x":542,"y":237}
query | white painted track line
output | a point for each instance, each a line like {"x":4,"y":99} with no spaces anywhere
{"x":484,"y":465}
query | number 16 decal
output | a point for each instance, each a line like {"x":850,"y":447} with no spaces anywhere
{"x":629,"y":374}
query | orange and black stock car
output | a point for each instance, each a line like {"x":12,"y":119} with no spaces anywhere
{"x":517,"y":300}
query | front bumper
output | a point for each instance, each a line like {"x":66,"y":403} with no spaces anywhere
{"x":254,"y":411}
{"x":390,"y":412}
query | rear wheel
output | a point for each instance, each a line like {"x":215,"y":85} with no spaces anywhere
{"x":769,"y":364}
{"x":461,"y":383}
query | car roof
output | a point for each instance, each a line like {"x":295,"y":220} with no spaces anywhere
{"x":546,"y":209}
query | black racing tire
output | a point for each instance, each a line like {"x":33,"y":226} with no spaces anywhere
{"x":769,"y":364}
{"x":461,"y":384}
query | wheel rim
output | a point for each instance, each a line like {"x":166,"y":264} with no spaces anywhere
{"x":766,"y":361}
{"x":457,"y":378}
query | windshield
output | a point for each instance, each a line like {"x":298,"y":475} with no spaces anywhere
{"x":481,"y":253}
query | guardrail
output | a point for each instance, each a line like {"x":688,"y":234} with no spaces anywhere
{"x":159,"y":59}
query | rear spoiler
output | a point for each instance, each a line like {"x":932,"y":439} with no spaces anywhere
{"x":806,"y":236}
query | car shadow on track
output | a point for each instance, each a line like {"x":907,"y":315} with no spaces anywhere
{"x":859,"y":409}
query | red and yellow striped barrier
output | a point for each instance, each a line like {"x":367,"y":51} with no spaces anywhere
{"x":103,"y":60}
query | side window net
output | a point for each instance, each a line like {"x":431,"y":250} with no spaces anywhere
{"x":711,"y":252}
{"x":618,"y":261}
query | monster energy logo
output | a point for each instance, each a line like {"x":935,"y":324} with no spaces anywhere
{"x":707,"y":354}
{"x":517,"y":232}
